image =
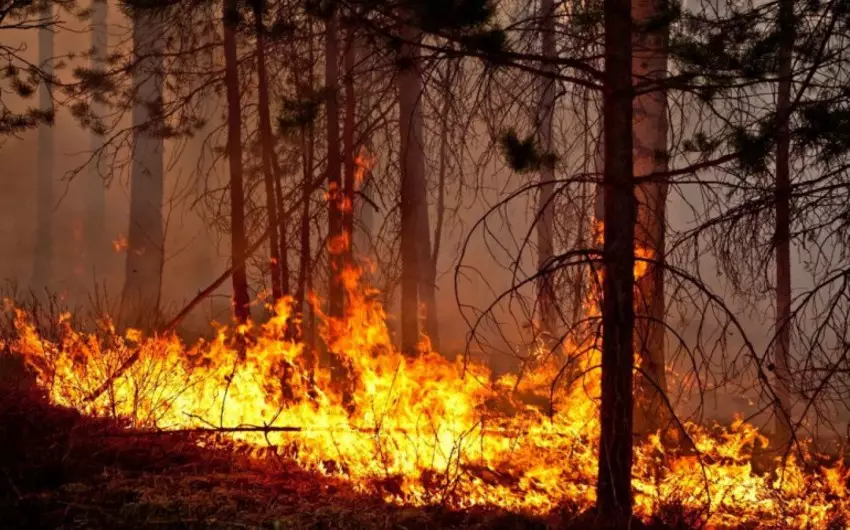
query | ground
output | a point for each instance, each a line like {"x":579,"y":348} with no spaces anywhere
{"x":64,"y":470}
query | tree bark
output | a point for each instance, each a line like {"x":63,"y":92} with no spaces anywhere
{"x":335,"y":233}
{"x":241,"y":308}
{"x":782,"y":347}
{"x":545,"y":206}
{"x":98,"y":249}
{"x":649,"y":69}
{"x":415,"y":244}
{"x":364,"y":209}
{"x":267,"y":146}
{"x":43,"y":262}
{"x":307,"y":138}
{"x":146,"y":236}
{"x":350,"y":150}
{"x":614,"y":498}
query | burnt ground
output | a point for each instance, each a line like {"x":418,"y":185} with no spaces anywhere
{"x":59,"y":469}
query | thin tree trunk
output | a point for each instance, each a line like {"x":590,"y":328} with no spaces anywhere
{"x":412,"y":188}
{"x":43,"y":263}
{"x":613,"y":490}
{"x":272,"y":195}
{"x":307,"y":149}
{"x":98,"y":248}
{"x":364,"y":209}
{"x":304,"y":263}
{"x":282,"y":232}
{"x":782,"y":348}
{"x":431,"y":270}
{"x":350,"y":151}
{"x":545,"y":206}
{"x":649,"y":67}
{"x":445,"y":93}
{"x":146,"y":235}
{"x":241,"y":309}
{"x":335,"y":234}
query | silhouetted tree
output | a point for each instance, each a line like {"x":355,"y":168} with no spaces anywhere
{"x":140,"y":296}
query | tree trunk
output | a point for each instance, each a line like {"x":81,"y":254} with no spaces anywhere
{"x":545,"y":206}
{"x":335,"y":234}
{"x":43,"y":263}
{"x":241,"y":309}
{"x":307,"y":137}
{"x":431,"y":277}
{"x":782,"y":348}
{"x":363,"y":209}
{"x":413,"y":203}
{"x":350,"y":150}
{"x":98,"y":249}
{"x":649,"y":67}
{"x":614,"y":498}
{"x":269,"y":176}
{"x":146,"y":236}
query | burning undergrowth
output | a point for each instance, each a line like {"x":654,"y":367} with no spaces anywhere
{"x":63,"y":469}
{"x":420,"y":431}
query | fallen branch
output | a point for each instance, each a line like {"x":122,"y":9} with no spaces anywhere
{"x":168,"y":328}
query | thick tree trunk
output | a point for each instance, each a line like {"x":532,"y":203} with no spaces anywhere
{"x":241,"y":309}
{"x":414,"y":213}
{"x":350,"y":151}
{"x":782,"y":347}
{"x":43,"y":262}
{"x":545,"y":206}
{"x":649,"y":68}
{"x":146,"y":236}
{"x":335,"y":233}
{"x":614,"y":498}
{"x":267,"y":146}
{"x":98,"y":249}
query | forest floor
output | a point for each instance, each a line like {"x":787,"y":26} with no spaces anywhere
{"x":63,"y":470}
{"x":59,"y":469}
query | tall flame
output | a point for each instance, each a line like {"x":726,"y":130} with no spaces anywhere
{"x":419,"y":430}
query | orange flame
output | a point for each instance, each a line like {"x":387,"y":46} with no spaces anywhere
{"x":120,"y":243}
{"x":437,"y":430}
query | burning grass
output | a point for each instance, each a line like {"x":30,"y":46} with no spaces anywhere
{"x":62,"y":469}
{"x":413,"y":432}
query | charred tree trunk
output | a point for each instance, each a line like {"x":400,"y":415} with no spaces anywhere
{"x":146,"y":236}
{"x":545,"y":204}
{"x":307,"y":137}
{"x":241,"y":309}
{"x":614,"y":497}
{"x":415,"y":244}
{"x":98,"y":248}
{"x":649,"y":68}
{"x":364,"y":209}
{"x":43,"y":263}
{"x":349,"y":149}
{"x":431,"y":278}
{"x":267,"y":147}
{"x":335,"y":233}
{"x":782,"y":347}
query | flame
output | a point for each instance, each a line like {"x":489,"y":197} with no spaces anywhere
{"x":120,"y":243}
{"x":363,"y":163}
{"x":420,"y":430}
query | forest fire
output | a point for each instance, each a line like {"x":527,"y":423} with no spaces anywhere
{"x":419,"y":430}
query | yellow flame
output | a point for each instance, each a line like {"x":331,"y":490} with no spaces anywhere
{"x":419,"y":430}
